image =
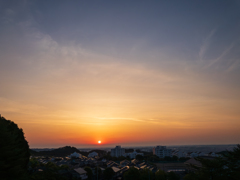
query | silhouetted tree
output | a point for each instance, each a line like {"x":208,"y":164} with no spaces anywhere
{"x":14,"y":151}
{"x":131,"y":174}
{"x":226,"y":168}
{"x":167,"y":158}
{"x":98,"y":172}
{"x":160,"y":175}
{"x":173,"y":176}
{"x":232,"y":159}
{"x":146,"y":174}
{"x":184,"y":158}
{"x":33,"y":163}
{"x":174,"y":158}
{"x":139,"y":157}
{"x":89,"y":172}
{"x":108,"y":173}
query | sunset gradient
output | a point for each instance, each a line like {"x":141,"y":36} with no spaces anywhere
{"x":125,"y":73}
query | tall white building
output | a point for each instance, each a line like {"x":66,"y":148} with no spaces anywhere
{"x":162,"y":151}
{"x":117,"y":151}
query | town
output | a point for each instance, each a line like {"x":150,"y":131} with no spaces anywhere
{"x":115,"y":164}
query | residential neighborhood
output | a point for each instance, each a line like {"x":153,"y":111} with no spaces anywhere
{"x":116,"y":162}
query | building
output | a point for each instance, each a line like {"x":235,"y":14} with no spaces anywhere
{"x":75,"y":155}
{"x":124,"y":163}
{"x":80,"y":173}
{"x":133,"y":154}
{"x":117,"y":151}
{"x":92,"y":154}
{"x":162,"y":151}
{"x":179,"y":154}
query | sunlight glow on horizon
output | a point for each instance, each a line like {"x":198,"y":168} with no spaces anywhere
{"x":127,"y":72}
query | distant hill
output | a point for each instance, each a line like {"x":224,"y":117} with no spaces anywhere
{"x":60,"y":152}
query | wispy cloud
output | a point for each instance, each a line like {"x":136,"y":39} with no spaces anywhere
{"x":220,"y":57}
{"x":206,"y":43}
{"x":120,"y":118}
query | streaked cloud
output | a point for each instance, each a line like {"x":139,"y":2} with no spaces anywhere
{"x":106,"y":68}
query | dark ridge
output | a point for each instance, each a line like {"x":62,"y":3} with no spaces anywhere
{"x":60,"y":152}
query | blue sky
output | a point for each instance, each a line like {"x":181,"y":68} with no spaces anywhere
{"x":128,"y":59}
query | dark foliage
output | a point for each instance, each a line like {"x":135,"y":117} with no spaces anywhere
{"x":140,"y":157}
{"x":108,"y":173}
{"x":97,"y":172}
{"x":89,"y":172}
{"x":160,"y":175}
{"x":183,"y":159}
{"x":131,"y":174}
{"x":221,"y":168}
{"x":146,"y":174}
{"x":14,"y":151}
{"x":173,"y":176}
{"x":60,"y":152}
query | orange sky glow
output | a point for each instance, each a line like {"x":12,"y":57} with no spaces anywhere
{"x":123,"y":73}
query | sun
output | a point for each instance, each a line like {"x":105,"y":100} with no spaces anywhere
{"x":99,"y":142}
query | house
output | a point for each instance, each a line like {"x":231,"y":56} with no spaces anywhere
{"x":92,"y":154}
{"x":112,"y":163}
{"x":75,"y":155}
{"x":133,"y":154}
{"x":142,"y":164}
{"x":124,"y":169}
{"x":179,"y":154}
{"x":124,"y":163}
{"x":201,"y":154}
{"x":194,"y":154}
{"x":135,"y":161}
{"x":116,"y":171}
{"x":80,"y":173}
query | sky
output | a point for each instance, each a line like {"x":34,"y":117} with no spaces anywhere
{"x":130,"y":73}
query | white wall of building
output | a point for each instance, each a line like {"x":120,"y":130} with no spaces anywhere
{"x":117,"y":151}
{"x":162,"y":151}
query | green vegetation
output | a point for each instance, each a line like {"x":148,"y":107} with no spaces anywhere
{"x":108,"y":173}
{"x":98,"y":172}
{"x":51,"y":171}
{"x":89,"y":172}
{"x":132,"y":173}
{"x":221,"y":168}
{"x":139,"y":157}
{"x":14,"y":151}
{"x":160,"y":175}
{"x":172,"y":176}
{"x":146,"y":174}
